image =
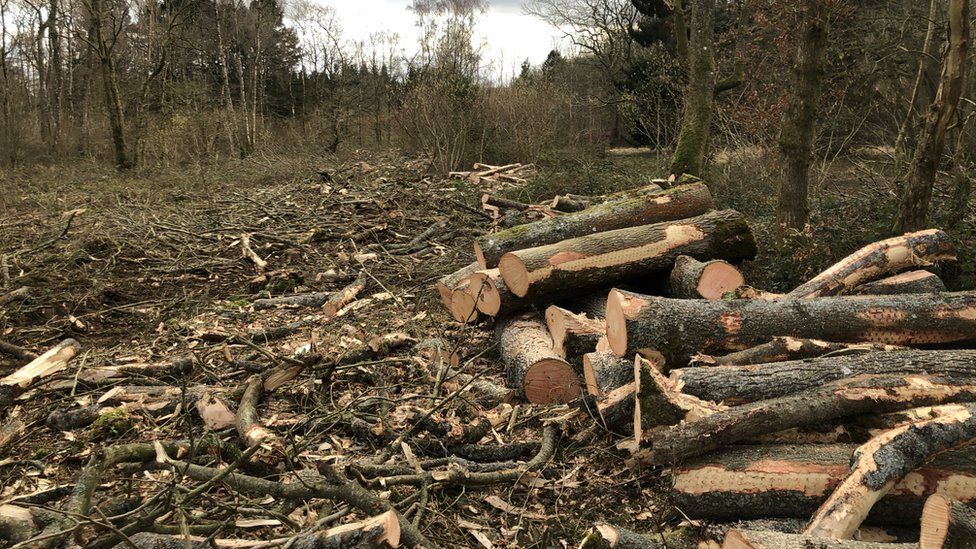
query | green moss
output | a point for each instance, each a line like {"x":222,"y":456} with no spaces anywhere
{"x":112,"y":424}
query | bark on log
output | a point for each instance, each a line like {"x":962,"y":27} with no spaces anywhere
{"x":879,"y":259}
{"x":604,"y":371}
{"x":615,"y":410}
{"x":947,"y":524}
{"x":911,"y":282}
{"x":743,"y":482}
{"x":249,"y":425}
{"x":693,"y":279}
{"x":572,"y":203}
{"x":678,"y":203}
{"x":557,"y":271}
{"x":682,"y":328}
{"x":886,"y":460}
{"x":344,"y":296}
{"x":530,"y":365}
{"x":852,"y":397}
{"x":491,"y":295}
{"x":734,"y":385}
{"x":755,"y":539}
{"x":573,"y":335}
{"x":447,"y":284}
{"x":607,"y":536}
{"x":315,"y":299}
{"x":505,"y":203}
{"x":785,"y":348}
{"x":379,"y":531}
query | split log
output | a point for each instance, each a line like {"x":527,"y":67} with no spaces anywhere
{"x":947,"y":524}
{"x":679,"y":203}
{"x":658,"y":402}
{"x":681,"y":328}
{"x":248,"y":253}
{"x":876,"y":260}
{"x":851,"y":397}
{"x":564,"y":269}
{"x":886,"y":460}
{"x":790,"y":348}
{"x":315,"y":299}
{"x":735,"y":385}
{"x":743,"y":482}
{"x":49,"y":363}
{"x":491,"y":295}
{"x":607,"y":536}
{"x":530,"y":365}
{"x":693,"y":279}
{"x":344,"y":296}
{"x":604,"y":371}
{"x":755,"y":539}
{"x":911,"y":282}
{"x":379,"y":531}
{"x":573,"y":335}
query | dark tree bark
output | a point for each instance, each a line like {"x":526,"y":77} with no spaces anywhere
{"x":782,"y":349}
{"x":696,"y":119}
{"x":911,"y":282}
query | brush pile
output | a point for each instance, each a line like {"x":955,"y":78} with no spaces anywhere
{"x":850,"y":399}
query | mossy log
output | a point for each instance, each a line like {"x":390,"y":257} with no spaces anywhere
{"x":734,"y":385}
{"x":693,"y":279}
{"x":572,"y":203}
{"x":531,"y":366}
{"x":765,"y":539}
{"x":947,"y":524}
{"x":911,"y":282}
{"x":886,"y":460}
{"x":744,"y":482}
{"x":628,"y":211}
{"x":876,"y":260}
{"x":790,"y":348}
{"x":561,"y":270}
{"x":682,"y":328}
{"x":850,"y":397}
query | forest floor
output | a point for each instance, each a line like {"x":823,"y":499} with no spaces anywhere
{"x":144,"y":268}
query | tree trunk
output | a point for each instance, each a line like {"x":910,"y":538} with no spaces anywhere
{"x":681,"y":328}
{"x":878,"y":259}
{"x":886,"y":460}
{"x":734,"y":385}
{"x":781,"y":349}
{"x":573,"y":335}
{"x":923,"y":61}
{"x":110,"y":85}
{"x":743,"y":482}
{"x":531,"y":367}
{"x":851,"y":397}
{"x":693,"y":279}
{"x":561,"y":270}
{"x":755,"y":539}
{"x":911,"y":282}
{"x":917,"y":194}
{"x":696,"y":119}
{"x":798,"y":130}
{"x":629,"y":211}
{"x":947,"y":524}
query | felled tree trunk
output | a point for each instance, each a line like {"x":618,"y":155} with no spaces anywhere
{"x":947,"y":524}
{"x":573,"y":335}
{"x":790,"y":348}
{"x":447,"y":284}
{"x":743,"y":482}
{"x":693,"y":279}
{"x":561,"y":270}
{"x":678,"y":203}
{"x":852,"y":397}
{"x":344,"y":297}
{"x":491,"y":295}
{"x":682,"y":328}
{"x":571,"y":203}
{"x":735,"y":385}
{"x":882,"y":258}
{"x":911,"y":282}
{"x":886,"y":460}
{"x":604,"y":371}
{"x":379,"y":531}
{"x":531,"y":366}
{"x":765,"y":539}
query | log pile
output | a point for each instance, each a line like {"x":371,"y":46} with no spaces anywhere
{"x":848,"y":400}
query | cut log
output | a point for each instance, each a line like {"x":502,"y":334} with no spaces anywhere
{"x":573,"y":335}
{"x":558,"y":271}
{"x":852,"y":397}
{"x":743,"y":482}
{"x":607,"y":536}
{"x":492,"y":297}
{"x":604,"y":371}
{"x":658,"y":402}
{"x":682,"y":328}
{"x":911,"y":282}
{"x":735,"y":385}
{"x":679,"y":203}
{"x":755,"y":539}
{"x":316,"y":299}
{"x":344,"y":296}
{"x":379,"y":531}
{"x":886,"y":460}
{"x":572,"y":203}
{"x":249,"y":425}
{"x":464,"y":308}
{"x":447,"y":284}
{"x":876,"y":260}
{"x":790,"y":348}
{"x":693,"y":279}
{"x":947,"y":524}
{"x":504,"y":203}
{"x":530,"y":365}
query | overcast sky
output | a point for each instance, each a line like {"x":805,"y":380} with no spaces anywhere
{"x":509,"y":37}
